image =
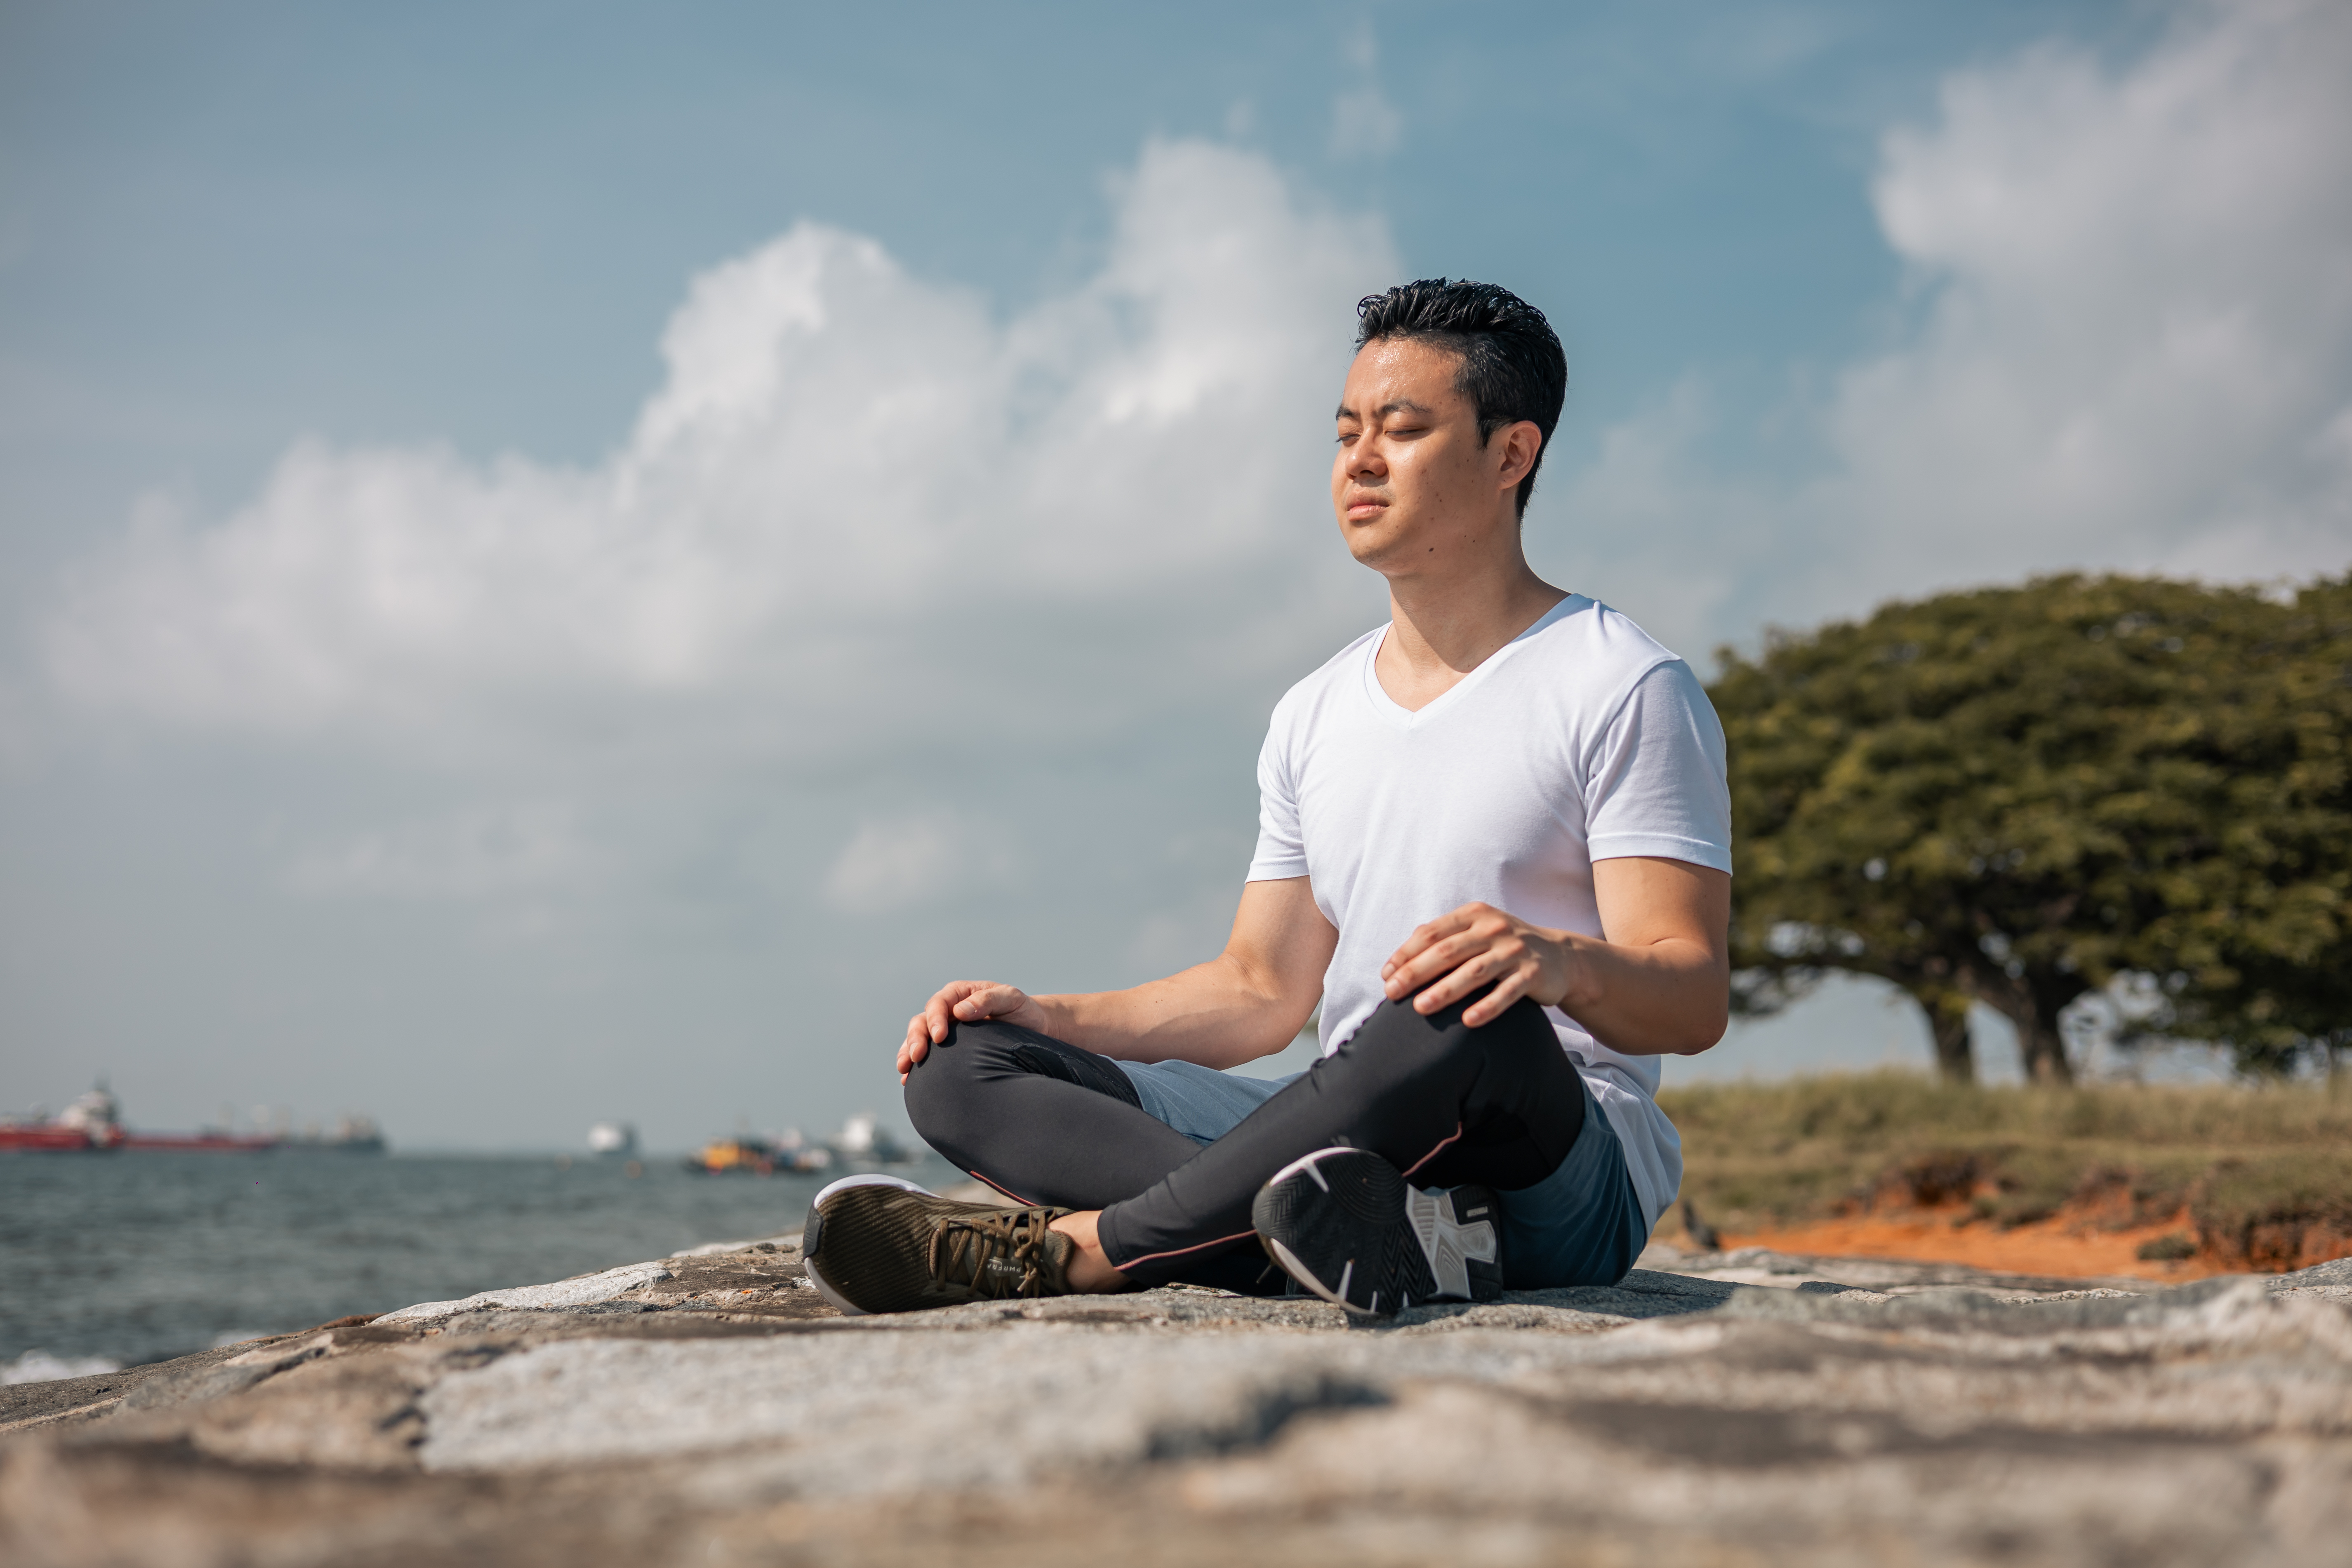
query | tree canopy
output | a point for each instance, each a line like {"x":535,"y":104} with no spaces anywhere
{"x":2019,"y":796}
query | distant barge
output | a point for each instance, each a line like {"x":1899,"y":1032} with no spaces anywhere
{"x":862,"y":1142}
{"x":93,"y":1124}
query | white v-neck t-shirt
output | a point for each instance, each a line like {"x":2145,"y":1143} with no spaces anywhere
{"x":1580,"y":740}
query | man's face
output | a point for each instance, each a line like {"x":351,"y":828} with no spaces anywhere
{"x":1410,"y":483}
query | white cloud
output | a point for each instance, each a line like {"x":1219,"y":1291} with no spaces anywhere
{"x":2144,"y":324}
{"x":858,"y":506}
{"x":2132,"y":345}
{"x":486,"y":852}
{"x":907,"y":861}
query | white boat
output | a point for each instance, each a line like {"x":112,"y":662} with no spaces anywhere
{"x":862,"y":1141}
{"x":613,"y":1140}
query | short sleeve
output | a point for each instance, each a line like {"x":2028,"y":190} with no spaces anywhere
{"x":1281,"y":846}
{"x":1658,"y":782}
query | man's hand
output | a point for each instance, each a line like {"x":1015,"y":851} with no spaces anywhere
{"x":1245,"y":1003}
{"x":1660,"y":981}
{"x":965,"y":1002}
{"x":1454,"y":954}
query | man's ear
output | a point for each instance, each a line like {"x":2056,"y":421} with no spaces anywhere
{"x":1521,"y":442}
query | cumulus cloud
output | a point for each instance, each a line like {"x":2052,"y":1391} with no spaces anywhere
{"x":2144,"y":325}
{"x":859,"y":504}
{"x":2129,"y":341}
{"x":906,"y":861}
{"x":482,"y":853}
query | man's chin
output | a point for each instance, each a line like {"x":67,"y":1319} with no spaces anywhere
{"x":1372,"y":543}
{"x":1388,"y":557}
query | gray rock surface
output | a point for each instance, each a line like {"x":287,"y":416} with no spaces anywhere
{"x":1719,"y":1408}
{"x":579,"y":1292}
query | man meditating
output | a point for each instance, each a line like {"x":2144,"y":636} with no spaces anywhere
{"x":1494,"y":841}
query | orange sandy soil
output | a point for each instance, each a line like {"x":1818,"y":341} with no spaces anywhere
{"x":2059,"y":1247}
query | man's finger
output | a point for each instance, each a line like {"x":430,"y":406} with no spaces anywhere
{"x":1491,"y":1005}
{"x":1464,"y":979}
{"x":1424,"y":936}
{"x":1412,"y":946}
{"x":1437,"y":963}
{"x":938,"y":1018}
{"x":1418,"y":975}
{"x":1440,"y":993}
{"x":1418,"y":971}
{"x":986,"y":1002}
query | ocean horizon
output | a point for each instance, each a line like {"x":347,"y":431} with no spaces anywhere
{"x":127,"y":1259}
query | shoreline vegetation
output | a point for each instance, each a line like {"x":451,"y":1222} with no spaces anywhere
{"x":2161,"y":1182}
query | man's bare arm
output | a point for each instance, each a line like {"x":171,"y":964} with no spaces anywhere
{"x":1249,"y":1002}
{"x":1659,"y":981}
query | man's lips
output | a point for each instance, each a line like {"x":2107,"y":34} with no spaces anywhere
{"x":1363,"y":506}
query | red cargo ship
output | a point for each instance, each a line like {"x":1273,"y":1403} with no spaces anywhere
{"x":94,"y":1123}
{"x":88,"y":1123}
{"x":48,"y":1135}
{"x":198,"y":1144}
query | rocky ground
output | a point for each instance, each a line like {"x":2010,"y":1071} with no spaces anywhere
{"x":1731,"y":1408}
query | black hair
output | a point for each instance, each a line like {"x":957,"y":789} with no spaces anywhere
{"x":1513,"y":367}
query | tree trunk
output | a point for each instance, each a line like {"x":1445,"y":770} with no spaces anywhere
{"x":2034,"y":1013}
{"x":1948,"y":1024}
{"x":2044,"y":1052}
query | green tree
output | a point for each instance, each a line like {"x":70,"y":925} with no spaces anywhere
{"x":2268,"y":971}
{"x":2016,"y":795}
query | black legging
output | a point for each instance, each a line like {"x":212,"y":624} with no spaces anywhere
{"x":1046,"y":1122}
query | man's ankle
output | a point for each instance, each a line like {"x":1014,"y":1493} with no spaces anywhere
{"x":1088,"y":1271}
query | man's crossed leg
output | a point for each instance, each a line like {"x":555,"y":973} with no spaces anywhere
{"x":1425,"y":1158}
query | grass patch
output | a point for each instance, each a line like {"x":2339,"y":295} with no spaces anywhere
{"x":2265,"y":1174}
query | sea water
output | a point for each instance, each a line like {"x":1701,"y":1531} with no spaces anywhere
{"x":132,"y":1258}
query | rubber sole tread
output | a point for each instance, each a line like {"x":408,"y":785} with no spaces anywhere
{"x":1348,"y":1227}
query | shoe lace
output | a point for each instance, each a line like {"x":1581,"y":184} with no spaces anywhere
{"x":962,"y":1249}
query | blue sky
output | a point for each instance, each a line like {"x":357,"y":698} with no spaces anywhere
{"x":227,"y":226}
{"x":424,"y":692}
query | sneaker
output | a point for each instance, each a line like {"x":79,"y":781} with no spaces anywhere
{"x":1346,"y":1226}
{"x":878,"y":1244}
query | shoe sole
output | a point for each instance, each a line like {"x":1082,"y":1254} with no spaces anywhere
{"x":824,"y":1287}
{"x":1349,"y":1223}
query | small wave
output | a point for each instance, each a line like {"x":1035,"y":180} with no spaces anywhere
{"x":40,"y":1366}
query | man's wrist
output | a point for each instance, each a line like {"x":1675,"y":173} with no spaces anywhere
{"x":1580,"y":984}
{"x":1053,"y":1016}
